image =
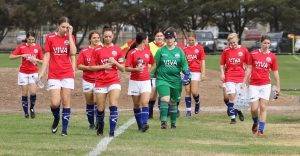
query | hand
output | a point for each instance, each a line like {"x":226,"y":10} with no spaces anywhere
{"x":33,"y":59}
{"x":107,"y":66}
{"x":112,"y":60}
{"x":277,"y":89}
{"x":222,"y":77}
{"x":203,"y":77}
{"x":70,"y":29}
{"x":243,"y":85}
{"x":186,"y":79}
{"x":25,"y":55}
{"x":140,"y":68}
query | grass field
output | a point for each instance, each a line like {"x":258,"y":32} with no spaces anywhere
{"x":205,"y":134}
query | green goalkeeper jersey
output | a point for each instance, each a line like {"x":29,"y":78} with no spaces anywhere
{"x":169,"y":64}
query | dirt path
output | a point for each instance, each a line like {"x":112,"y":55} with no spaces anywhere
{"x":210,"y":94}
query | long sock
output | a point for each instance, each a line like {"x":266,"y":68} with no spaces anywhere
{"x":145,"y":115}
{"x":255,"y":120}
{"x":90,"y":113}
{"x":100,"y":119}
{"x":24,"y":101}
{"x":188,"y":103}
{"x":66,"y":113}
{"x":158,"y":102}
{"x":138,"y":116}
{"x":32,"y":100}
{"x":230,"y":110}
{"x":261,"y":126}
{"x":197,"y":99}
{"x":55,"y":112}
{"x":151,"y":105}
{"x":163,"y":111}
{"x":173,"y":111}
{"x":113,"y":118}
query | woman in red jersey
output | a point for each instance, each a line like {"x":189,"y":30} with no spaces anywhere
{"x":85,"y":61}
{"x":261,"y":62}
{"x":195,"y":56}
{"x":232,"y":65}
{"x":109,"y":60}
{"x":31,"y":54}
{"x":59,"y":58}
{"x":138,"y":62}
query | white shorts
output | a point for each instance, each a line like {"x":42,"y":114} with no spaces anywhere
{"x":25,"y":79}
{"x":87,"y":86}
{"x":138,"y":87}
{"x":232,"y":88}
{"x":259,"y":92}
{"x":153,"y":82}
{"x":58,"y":84}
{"x":105,"y":90}
{"x":195,"y":76}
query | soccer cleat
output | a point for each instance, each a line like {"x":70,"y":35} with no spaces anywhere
{"x":32,"y":113}
{"x":54,"y":125}
{"x":241,"y":115}
{"x":173,"y":126}
{"x":64,"y":133}
{"x":188,"y":114}
{"x":254,"y":128}
{"x":100,"y":131}
{"x":233,"y":121}
{"x":260,"y":134}
{"x":197,"y":108}
{"x":144,"y":128}
{"x":111,"y":134}
{"x":92,"y":126}
{"x":163,"y":125}
{"x":26,"y":115}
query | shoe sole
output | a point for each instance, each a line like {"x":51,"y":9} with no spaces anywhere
{"x":54,"y":130}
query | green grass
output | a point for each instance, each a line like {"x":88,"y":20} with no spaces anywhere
{"x":207,"y":134}
{"x":6,"y":62}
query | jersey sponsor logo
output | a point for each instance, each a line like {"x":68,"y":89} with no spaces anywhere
{"x":170,"y":62}
{"x":147,"y":56}
{"x":60,"y":50}
{"x":234,"y":60}
{"x":121,"y":60}
{"x":35,"y":51}
{"x":164,"y":55}
{"x":261,"y":64}
{"x":67,"y":42}
{"x":268,"y":59}
{"x":104,"y":61}
{"x":177,"y":56}
{"x":88,"y":60}
{"x":114,"y":53}
{"x":191,"y":57}
{"x":240,"y":54}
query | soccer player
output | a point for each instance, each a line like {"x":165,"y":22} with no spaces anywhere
{"x":154,"y":46}
{"x":195,"y":56}
{"x":170,"y":61}
{"x":261,"y":62}
{"x":60,"y":51}
{"x":31,"y":54}
{"x":138,"y":62}
{"x":85,"y":61}
{"x":232,"y":65}
{"x":109,"y":60}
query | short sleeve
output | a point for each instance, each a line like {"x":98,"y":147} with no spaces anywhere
{"x":17,"y":51}
{"x":47,"y":44}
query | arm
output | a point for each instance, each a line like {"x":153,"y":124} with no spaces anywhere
{"x":277,"y":80}
{"x":222,"y":74}
{"x":203,"y":69}
{"x":247,"y":74}
{"x":73,"y":48}
{"x":131,"y":69}
{"x":44,"y":65}
{"x":12,"y":56}
{"x":120,"y":66}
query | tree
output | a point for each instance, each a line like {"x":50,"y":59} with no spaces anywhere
{"x":5,"y":20}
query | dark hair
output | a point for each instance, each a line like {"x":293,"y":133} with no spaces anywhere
{"x":63,"y":19}
{"x":158,"y":31}
{"x":107,"y":28}
{"x":138,"y":40}
{"x":30,"y":33}
{"x":92,"y":33}
{"x":265,"y":37}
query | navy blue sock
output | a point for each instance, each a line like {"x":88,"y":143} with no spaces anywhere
{"x":151,"y":106}
{"x":138,"y":116}
{"x":25,"y":104}
{"x":188,"y":103}
{"x":113,"y":118}
{"x":255,"y":120}
{"x":230,"y":110}
{"x":90,"y":113}
{"x":66,"y":113}
{"x":100,"y":119}
{"x":197,"y":99}
{"x":32,"y":100}
{"x":55,"y":112}
{"x":261,"y":126}
{"x":145,"y":115}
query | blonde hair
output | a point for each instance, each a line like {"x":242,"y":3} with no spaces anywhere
{"x":232,"y":36}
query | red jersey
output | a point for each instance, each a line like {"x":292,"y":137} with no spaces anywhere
{"x":234,"y":61}
{"x":194,"y":55}
{"x":86,"y":57}
{"x":136,"y":58}
{"x":60,"y":65}
{"x":34,"y":50}
{"x":261,"y":66}
{"x":111,"y":76}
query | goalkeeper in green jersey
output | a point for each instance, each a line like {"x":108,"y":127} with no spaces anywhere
{"x":170,"y":63}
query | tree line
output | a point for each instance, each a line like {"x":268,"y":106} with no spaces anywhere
{"x":150,"y":15}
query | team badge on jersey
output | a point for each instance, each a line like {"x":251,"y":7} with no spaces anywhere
{"x":177,"y":56}
{"x":240,"y":54}
{"x":35,"y":51}
{"x":196,"y":51}
{"x":114,"y":53}
{"x":146,"y":55}
{"x":67,"y":42}
{"x":268,"y":59}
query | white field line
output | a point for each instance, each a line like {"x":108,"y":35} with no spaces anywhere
{"x":102,"y":145}
{"x":296,"y":57}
